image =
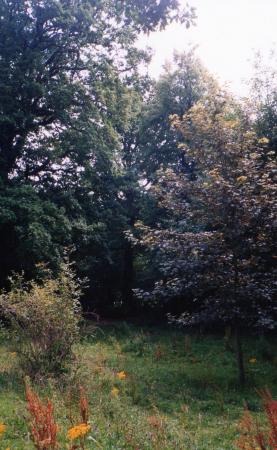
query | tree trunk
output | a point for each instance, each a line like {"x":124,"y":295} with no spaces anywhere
{"x":239,"y":353}
{"x":128,"y":276}
{"x":129,"y":269}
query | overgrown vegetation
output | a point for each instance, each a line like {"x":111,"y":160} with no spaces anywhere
{"x":177,"y":392}
{"x":253,"y":433}
{"x":165,"y":190}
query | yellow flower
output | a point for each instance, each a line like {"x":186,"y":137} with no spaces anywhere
{"x":214,"y":173}
{"x":263,"y":140}
{"x":231,"y":123}
{"x":78,"y":431}
{"x":2,"y":428}
{"x":252,"y":360}
{"x":241,"y":179}
{"x":121,"y":375}
{"x":115,"y":392}
{"x":13,"y":354}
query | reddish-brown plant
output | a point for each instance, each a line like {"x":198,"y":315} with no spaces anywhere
{"x":42,"y":424}
{"x":84,"y":408}
{"x":253,"y":436}
{"x":80,"y":431}
{"x":270,"y":407}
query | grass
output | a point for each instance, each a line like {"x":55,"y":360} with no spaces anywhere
{"x":180,"y":392}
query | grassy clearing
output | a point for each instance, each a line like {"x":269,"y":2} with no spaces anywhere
{"x":179,"y":393}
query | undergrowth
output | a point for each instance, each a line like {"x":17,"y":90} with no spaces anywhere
{"x":148,"y":388}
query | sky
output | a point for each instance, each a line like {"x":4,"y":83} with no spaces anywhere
{"x":227,"y":33}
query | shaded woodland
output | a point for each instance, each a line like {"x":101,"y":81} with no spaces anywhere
{"x":147,"y":206}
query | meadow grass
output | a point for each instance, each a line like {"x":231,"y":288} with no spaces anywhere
{"x":180,"y":392}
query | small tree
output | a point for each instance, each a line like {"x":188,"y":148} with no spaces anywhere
{"x":219,"y":248}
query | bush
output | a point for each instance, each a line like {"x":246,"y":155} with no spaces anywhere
{"x":44,"y":318}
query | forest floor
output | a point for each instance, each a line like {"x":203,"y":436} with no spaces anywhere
{"x":174,"y":391}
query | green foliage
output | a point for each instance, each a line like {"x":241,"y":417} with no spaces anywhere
{"x":33,"y":229}
{"x":69,"y":96}
{"x":44,"y":319}
{"x":148,"y":143}
{"x":138,"y":345}
{"x":84,"y":135}
{"x":55,"y":56}
{"x":182,"y":84}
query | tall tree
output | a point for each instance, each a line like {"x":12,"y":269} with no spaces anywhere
{"x":51,"y":51}
{"x":148,"y":143}
{"x":182,"y":84}
{"x":63,"y":67}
